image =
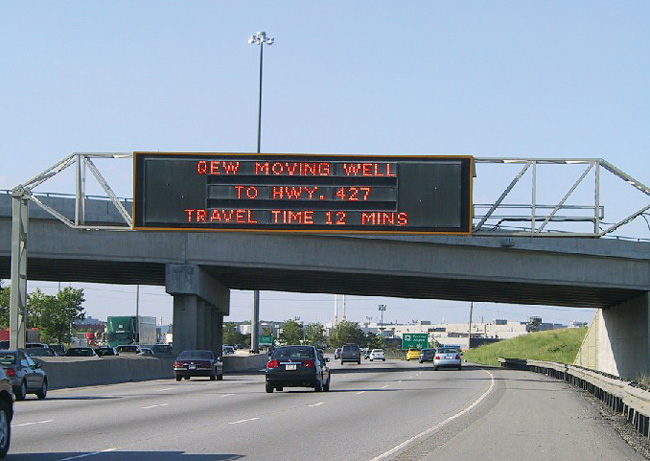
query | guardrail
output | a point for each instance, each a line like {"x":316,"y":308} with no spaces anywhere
{"x":625,"y":397}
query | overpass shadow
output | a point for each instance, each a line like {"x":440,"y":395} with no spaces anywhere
{"x":127,"y":456}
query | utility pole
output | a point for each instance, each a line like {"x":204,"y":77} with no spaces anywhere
{"x":382,"y":309}
{"x":469,"y":337}
{"x":260,"y":39}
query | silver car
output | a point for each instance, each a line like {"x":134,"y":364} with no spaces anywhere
{"x":447,"y":358}
{"x":26,"y":376}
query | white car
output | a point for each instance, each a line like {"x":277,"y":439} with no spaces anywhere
{"x":377,"y":354}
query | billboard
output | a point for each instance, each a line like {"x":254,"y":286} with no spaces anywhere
{"x":302,"y":192}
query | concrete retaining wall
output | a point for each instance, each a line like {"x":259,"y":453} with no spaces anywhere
{"x":91,"y":371}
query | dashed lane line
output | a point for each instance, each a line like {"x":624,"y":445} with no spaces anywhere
{"x":243,"y":421}
{"x":34,"y":423}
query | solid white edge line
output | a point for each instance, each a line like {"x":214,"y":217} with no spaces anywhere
{"x":439,"y":425}
{"x":89,"y":454}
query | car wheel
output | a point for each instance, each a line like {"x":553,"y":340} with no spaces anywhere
{"x":220,"y":377}
{"x":359,"y":362}
{"x":178,"y":378}
{"x":341,"y":362}
{"x":187,"y":377}
{"x":435,"y":368}
{"x":5,"y":428}
{"x":460,"y":367}
{"x":326,"y":386}
{"x":213,"y":377}
{"x":43,"y":392}
{"x":269,"y":389}
{"x":21,"y":391}
{"x":319,"y":386}
{"x":279,"y":389}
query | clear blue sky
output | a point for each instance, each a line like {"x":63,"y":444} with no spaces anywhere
{"x":489,"y":79}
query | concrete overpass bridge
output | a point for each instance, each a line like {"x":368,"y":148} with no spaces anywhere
{"x":199,"y":268}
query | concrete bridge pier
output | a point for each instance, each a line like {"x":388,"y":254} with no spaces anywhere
{"x":200,"y":302}
{"x":618,"y":341}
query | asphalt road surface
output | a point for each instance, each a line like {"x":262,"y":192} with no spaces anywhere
{"x":374,"y":411}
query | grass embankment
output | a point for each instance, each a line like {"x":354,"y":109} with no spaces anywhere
{"x":554,"y":346}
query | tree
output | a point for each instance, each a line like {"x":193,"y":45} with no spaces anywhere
{"x":315,"y":334}
{"x":375,"y":341}
{"x":54,"y":315}
{"x":4,"y":307}
{"x":292,"y":332}
{"x":346,"y":332}
{"x":231,"y":335}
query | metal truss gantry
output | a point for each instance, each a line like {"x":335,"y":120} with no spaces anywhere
{"x":496,"y":218}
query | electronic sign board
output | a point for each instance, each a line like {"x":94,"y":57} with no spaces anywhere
{"x":302,"y":192}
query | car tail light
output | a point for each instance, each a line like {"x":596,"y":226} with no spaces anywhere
{"x":272,"y":364}
{"x":178,"y":364}
{"x":437,"y":357}
{"x":10,"y":372}
{"x":309,"y":364}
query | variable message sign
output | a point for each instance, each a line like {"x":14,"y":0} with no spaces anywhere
{"x":418,"y":340}
{"x":292,"y":192}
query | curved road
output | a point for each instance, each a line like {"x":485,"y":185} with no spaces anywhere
{"x":374,"y":411}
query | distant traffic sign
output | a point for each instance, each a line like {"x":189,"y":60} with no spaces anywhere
{"x":418,"y":340}
{"x":266,"y":340}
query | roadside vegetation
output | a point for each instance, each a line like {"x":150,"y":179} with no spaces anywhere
{"x":555,"y":346}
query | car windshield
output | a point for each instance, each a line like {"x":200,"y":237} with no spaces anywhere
{"x":160,"y":348}
{"x":447,"y":351}
{"x":196,"y":355}
{"x":377,"y":351}
{"x":294,"y":352}
{"x":7,"y":359}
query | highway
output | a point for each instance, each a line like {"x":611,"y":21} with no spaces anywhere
{"x":374,"y":411}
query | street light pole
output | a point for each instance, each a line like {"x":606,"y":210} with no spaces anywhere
{"x":382,"y":309}
{"x":258,"y":39}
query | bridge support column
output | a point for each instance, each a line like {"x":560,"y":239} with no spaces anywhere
{"x":200,"y":302}
{"x":618,"y":341}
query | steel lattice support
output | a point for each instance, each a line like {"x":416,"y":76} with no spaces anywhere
{"x":18,"y":302}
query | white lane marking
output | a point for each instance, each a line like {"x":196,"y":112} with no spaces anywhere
{"x":155,"y":406}
{"x":316,"y":404}
{"x":361,"y":392}
{"x":31,"y":424}
{"x":166,"y":389}
{"x":384,"y":387}
{"x":439,"y":425}
{"x":89,"y":454}
{"x":227,"y":395}
{"x":243,"y":421}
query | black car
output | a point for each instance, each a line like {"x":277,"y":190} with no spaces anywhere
{"x":426,"y":355}
{"x":26,"y":376}
{"x":104,"y":351}
{"x":40,"y":352}
{"x":80,"y":352}
{"x":6,"y":412}
{"x":198,"y":363}
{"x":59,"y":349}
{"x":297,"y":366}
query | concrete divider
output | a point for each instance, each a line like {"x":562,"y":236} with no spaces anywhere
{"x":91,"y":371}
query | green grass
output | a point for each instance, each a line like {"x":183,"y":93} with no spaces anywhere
{"x":554,"y":346}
